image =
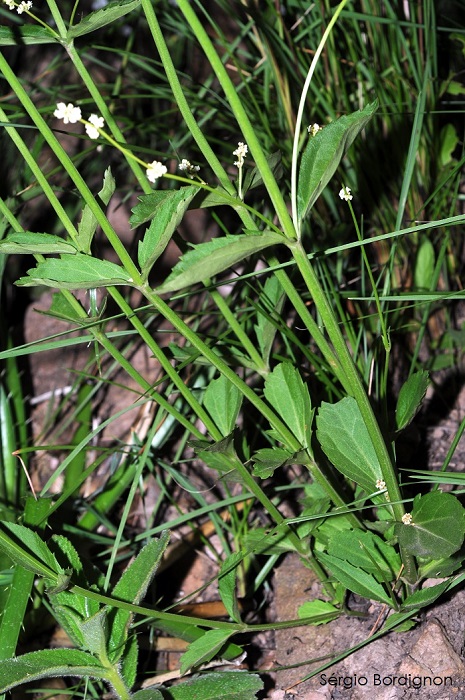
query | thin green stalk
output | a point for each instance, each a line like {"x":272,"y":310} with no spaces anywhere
{"x":239,"y":112}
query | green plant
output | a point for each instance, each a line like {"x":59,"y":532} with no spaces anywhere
{"x":355,"y":532}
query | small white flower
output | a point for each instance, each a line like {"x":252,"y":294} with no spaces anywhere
{"x":380,"y":485}
{"x":96,"y":123}
{"x":69,"y":113}
{"x":10,"y":4}
{"x":23,"y":7}
{"x":186,"y":166}
{"x":345,"y":194}
{"x":241,"y":152}
{"x":313,"y":129}
{"x":407,"y":519}
{"x":156,"y":170}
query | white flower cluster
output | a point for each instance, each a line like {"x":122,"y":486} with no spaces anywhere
{"x":71,"y":115}
{"x":156,"y":170}
{"x":407,"y":519}
{"x":380,"y":485}
{"x":20,"y":8}
{"x":187,"y":167}
{"x":241,"y":152}
{"x":313,"y":129}
{"x":345,"y":193}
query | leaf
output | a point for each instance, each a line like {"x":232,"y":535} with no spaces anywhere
{"x":208,"y":259}
{"x":261,"y":541}
{"x":48,"y":663}
{"x":148,"y":694}
{"x":204,"y":649}
{"x":75,"y":272}
{"x":253,"y":176}
{"x":132,"y":587}
{"x":271,"y":301}
{"x":223,"y":401}
{"x":27,"y":549}
{"x":219,"y":455}
{"x":227,"y":584}
{"x":449,"y":140}
{"x":318,"y":608}
{"x":354,"y":579}
{"x":288,"y":395}
{"x":368,"y":552}
{"x":345,"y":440}
{"x":230,"y":685}
{"x":410,"y":398}
{"x":100,"y":18}
{"x":94,"y":634}
{"x":129,"y":659}
{"x":424,"y":265}
{"x":323,"y":154}
{"x":268,"y":459}
{"x":30,"y":243}
{"x":437,"y":528}
{"x":426,"y":596}
{"x":88,"y":224}
{"x":166,"y":219}
{"x":26,"y":34}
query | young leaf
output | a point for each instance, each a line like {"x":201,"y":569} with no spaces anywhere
{"x":207,"y":259}
{"x":318,"y":609}
{"x":253,"y":177}
{"x":227,"y":584}
{"x":132,"y":587}
{"x":223,"y":401}
{"x":232,"y":685}
{"x":438,"y":526}
{"x":424,"y":265}
{"x":25,"y":34}
{"x":100,"y":18}
{"x":268,"y":459}
{"x":88,"y":224}
{"x":75,"y":272}
{"x":323,"y":154}
{"x":272,"y":301}
{"x":366,"y":551}
{"x":94,"y":634}
{"x":204,"y":649}
{"x":410,"y":398}
{"x":345,"y":440}
{"x":167,"y":216}
{"x":288,"y":395}
{"x":355,"y":579}
{"x":426,"y":596}
{"x":48,"y":663}
{"x":30,"y":243}
{"x":27,"y":549}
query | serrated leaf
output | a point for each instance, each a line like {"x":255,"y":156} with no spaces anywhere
{"x":204,"y":649}
{"x":31,"y":243}
{"x":231,"y":685}
{"x":167,"y":217}
{"x":437,"y":528}
{"x":288,"y":395}
{"x":223,"y":402}
{"x":227,"y":584}
{"x":48,"y":663}
{"x":355,"y":579}
{"x":368,"y":552}
{"x":132,"y":587}
{"x":323,"y":154}
{"x":317,"y":608}
{"x":75,"y":272}
{"x":28,"y":550}
{"x":26,"y":34}
{"x":426,"y":596}
{"x":88,"y":224}
{"x":344,"y":438}
{"x":268,"y":459}
{"x":100,"y":18}
{"x":410,"y":398}
{"x":208,"y":259}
